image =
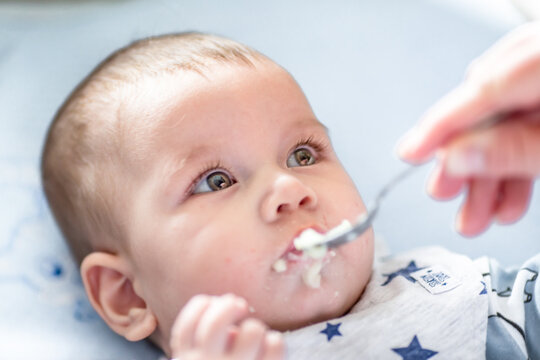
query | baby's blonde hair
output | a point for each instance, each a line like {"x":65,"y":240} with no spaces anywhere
{"x":84,"y":141}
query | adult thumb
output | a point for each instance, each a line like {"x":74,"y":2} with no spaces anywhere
{"x":508,"y":150}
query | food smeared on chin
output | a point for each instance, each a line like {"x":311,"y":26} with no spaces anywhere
{"x":280,"y":265}
{"x":312,"y":274}
{"x":314,"y":255}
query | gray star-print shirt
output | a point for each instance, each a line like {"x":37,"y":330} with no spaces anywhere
{"x":432,"y":303}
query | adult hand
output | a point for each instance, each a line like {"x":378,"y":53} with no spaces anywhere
{"x":497,"y":164}
{"x":219,"y":327}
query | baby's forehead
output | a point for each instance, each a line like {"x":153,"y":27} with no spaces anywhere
{"x":167,"y":104}
{"x":190,"y":117}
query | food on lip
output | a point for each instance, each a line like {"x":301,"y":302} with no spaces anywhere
{"x":309,"y":242}
{"x":316,"y":252}
{"x":310,"y":238}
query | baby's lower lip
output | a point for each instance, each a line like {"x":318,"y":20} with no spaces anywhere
{"x":293,"y":256}
{"x":292,"y":252}
{"x":290,"y":260}
{"x":309,"y":268}
{"x":296,"y":258}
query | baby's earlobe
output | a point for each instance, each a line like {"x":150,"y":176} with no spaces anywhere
{"x":143,"y":323}
{"x":108,"y":283}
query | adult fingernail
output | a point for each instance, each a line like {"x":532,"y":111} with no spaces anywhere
{"x":459,"y":222}
{"x":462,"y":163}
{"x":431,"y":186}
{"x":407,"y":144}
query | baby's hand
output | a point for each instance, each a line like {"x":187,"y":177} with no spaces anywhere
{"x":211,"y":327}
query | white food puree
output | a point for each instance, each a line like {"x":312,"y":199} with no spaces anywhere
{"x":309,"y":243}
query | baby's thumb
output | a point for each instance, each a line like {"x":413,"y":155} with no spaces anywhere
{"x":508,"y":150}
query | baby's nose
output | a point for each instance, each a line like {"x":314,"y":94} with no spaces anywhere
{"x":287,"y":194}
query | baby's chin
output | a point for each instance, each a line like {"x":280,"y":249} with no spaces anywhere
{"x":293,"y":324}
{"x":323,"y":304}
{"x":342,"y":283}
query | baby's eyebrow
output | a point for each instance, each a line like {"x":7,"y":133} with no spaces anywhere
{"x":320,"y":125}
{"x":312,"y":122}
{"x":326,"y":129}
{"x":175,"y":168}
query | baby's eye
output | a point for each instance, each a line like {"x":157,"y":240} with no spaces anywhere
{"x":301,"y":157}
{"x":215,"y":181}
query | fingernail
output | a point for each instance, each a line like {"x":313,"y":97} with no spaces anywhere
{"x":407,"y":144}
{"x":273,"y":336}
{"x":462,"y":163}
{"x":241,"y":302}
{"x":430,"y":186}
{"x":459,"y":222}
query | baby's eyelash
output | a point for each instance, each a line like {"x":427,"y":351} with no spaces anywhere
{"x":319,"y":145}
{"x":205,"y":171}
{"x":316,"y":144}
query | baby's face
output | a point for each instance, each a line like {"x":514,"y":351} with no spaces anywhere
{"x":232,"y":168}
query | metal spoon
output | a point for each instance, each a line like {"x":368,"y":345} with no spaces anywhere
{"x":363,"y":222}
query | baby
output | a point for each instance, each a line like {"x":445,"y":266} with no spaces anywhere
{"x":182,"y":169}
{"x":187,"y":165}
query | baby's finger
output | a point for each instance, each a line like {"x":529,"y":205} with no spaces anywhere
{"x":480,"y":204}
{"x":515,"y":196}
{"x":213,"y":331}
{"x":186,"y":323}
{"x":249,"y":340}
{"x":442,"y":186}
{"x":274,"y":346}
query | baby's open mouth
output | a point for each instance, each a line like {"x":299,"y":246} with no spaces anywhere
{"x":312,"y":258}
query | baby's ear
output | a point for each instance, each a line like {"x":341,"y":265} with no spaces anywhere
{"x":108,"y":281}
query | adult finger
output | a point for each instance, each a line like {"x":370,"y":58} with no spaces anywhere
{"x":515,"y":195}
{"x":507,"y":150}
{"x":513,"y":82}
{"x":477,"y":212}
{"x":505,"y":78}
{"x":460,"y":109}
{"x":442,"y":186}
{"x":515,"y":42}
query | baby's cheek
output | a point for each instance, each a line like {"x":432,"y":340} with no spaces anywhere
{"x":358,"y":268}
{"x":348,"y":201}
{"x":357,"y":205}
{"x":359,"y":253}
{"x":233,"y":273}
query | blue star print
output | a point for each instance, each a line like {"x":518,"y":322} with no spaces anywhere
{"x":331,"y":331}
{"x":484,"y":290}
{"x":403,"y":272}
{"x":414,"y":351}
